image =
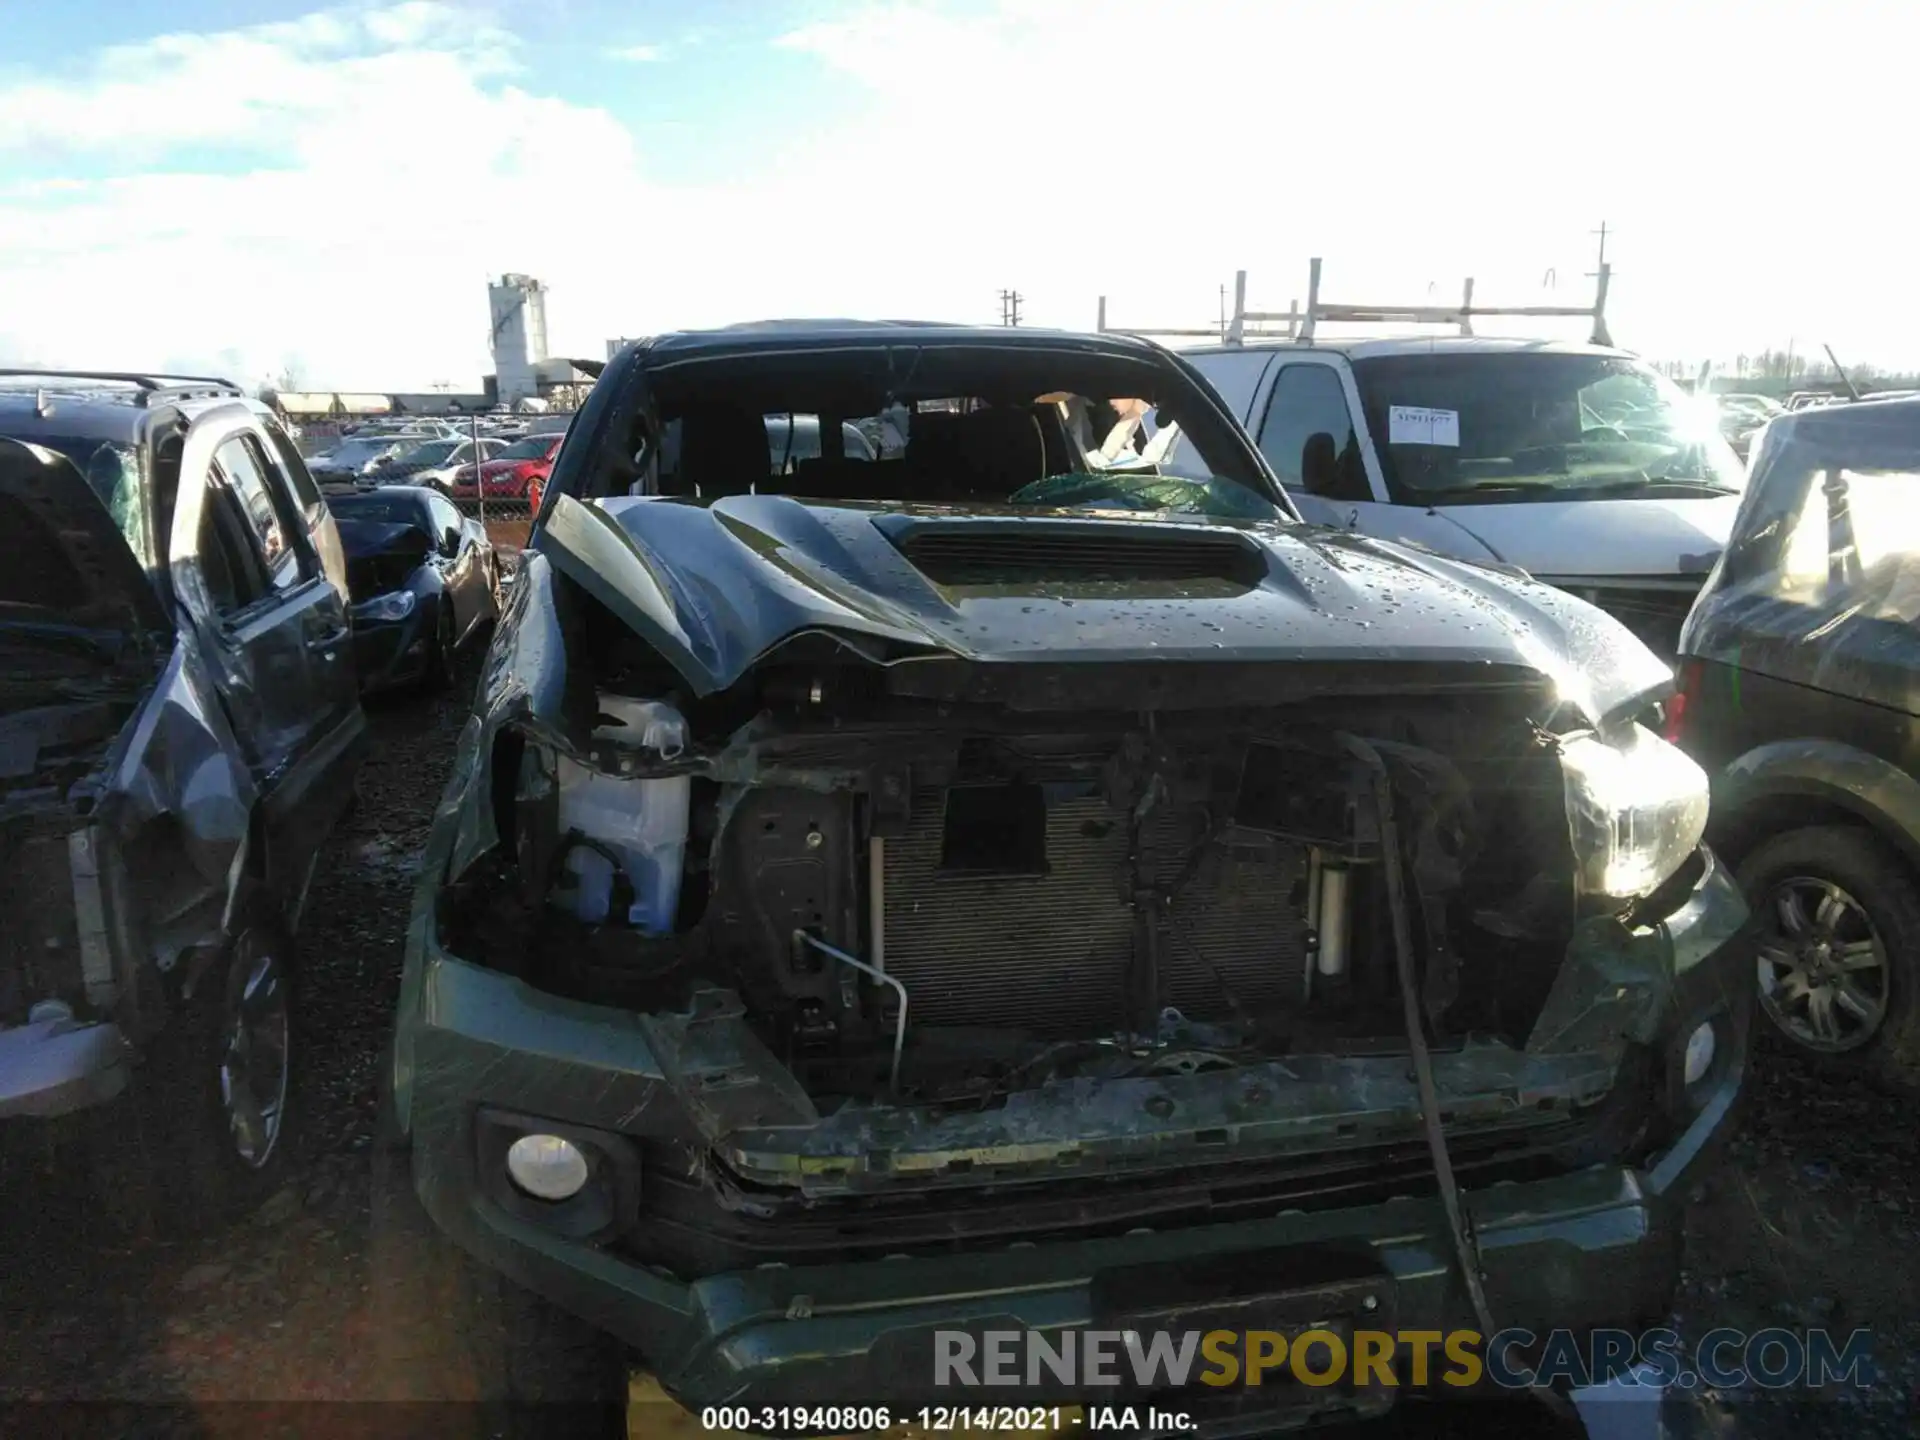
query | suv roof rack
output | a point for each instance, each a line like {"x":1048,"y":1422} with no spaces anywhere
{"x":1300,"y":325}
{"x":148,"y":387}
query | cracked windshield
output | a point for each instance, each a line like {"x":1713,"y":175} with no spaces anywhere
{"x":1292,"y":807}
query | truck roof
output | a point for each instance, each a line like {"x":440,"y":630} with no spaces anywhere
{"x":1360,"y":348}
{"x":103,"y":408}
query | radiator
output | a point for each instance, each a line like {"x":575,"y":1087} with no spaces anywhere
{"x":1051,"y":954}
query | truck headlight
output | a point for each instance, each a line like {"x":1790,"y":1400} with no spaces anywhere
{"x":1637,"y":807}
{"x":395,"y":605}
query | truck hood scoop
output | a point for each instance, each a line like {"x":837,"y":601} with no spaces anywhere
{"x":979,"y":555}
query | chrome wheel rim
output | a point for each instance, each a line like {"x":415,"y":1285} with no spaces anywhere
{"x":1824,"y":977}
{"x":253,"y":1063}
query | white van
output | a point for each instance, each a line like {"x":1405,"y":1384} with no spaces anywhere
{"x":1576,"y":463}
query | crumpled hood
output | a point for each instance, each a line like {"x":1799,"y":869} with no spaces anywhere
{"x":1655,"y":538}
{"x":716,"y":587}
{"x":70,"y":542}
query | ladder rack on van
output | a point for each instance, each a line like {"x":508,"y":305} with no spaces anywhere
{"x":1300,"y":326}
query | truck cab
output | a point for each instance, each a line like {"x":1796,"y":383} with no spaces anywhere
{"x":1574,"y":462}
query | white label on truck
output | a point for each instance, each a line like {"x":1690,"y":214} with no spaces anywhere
{"x":1417,"y":425}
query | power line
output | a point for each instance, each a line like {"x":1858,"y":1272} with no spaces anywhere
{"x":1010,"y":307}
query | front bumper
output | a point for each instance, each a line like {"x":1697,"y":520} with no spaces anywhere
{"x":55,"y":1067}
{"x":1591,"y":1247}
{"x":387,"y":653}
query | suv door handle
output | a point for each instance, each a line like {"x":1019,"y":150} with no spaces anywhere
{"x":331,"y":639}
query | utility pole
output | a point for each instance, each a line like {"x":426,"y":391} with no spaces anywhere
{"x":1602,"y":277}
{"x":1010,"y":307}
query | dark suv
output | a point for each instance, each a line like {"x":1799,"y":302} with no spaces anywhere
{"x":179,"y":731}
{"x":1801,"y":695}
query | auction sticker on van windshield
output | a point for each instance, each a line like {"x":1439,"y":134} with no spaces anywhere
{"x":1417,"y":425}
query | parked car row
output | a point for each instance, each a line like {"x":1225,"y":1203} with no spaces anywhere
{"x":1147,"y":808}
{"x":442,"y":456}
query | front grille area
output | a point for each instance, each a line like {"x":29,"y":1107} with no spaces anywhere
{"x":687,"y":1227}
{"x":1655,"y":615}
{"x":973,"y":557}
{"x":39,"y":943}
{"x":1050,"y":953}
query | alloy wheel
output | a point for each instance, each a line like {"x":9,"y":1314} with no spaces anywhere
{"x":1824,"y":976}
{"x":254,"y":1067}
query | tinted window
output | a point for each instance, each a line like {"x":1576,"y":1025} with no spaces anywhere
{"x":228,"y":560}
{"x":1309,"y":400}
{"x":246,"y":471}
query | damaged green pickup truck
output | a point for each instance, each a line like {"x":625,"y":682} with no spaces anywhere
{"x":944,"y":887}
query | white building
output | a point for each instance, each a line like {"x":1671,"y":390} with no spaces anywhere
{"x":519,"y":308}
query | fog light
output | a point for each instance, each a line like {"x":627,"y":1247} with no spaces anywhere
{"x":1699,"y":1056}
{"x":549,"y":1168}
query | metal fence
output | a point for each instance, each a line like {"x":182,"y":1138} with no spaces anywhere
{"x":488,"y":508}
{"x":508,"y":519}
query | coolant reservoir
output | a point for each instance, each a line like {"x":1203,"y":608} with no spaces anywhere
{"x":642,"y":822}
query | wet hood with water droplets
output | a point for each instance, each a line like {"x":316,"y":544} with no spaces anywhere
{"x":716,"y":587}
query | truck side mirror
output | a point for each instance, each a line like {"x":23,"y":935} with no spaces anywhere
{"x":1320,"y":464}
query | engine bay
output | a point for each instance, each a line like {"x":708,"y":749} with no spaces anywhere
{"x":921,"y":902}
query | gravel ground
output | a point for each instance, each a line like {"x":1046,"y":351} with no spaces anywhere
{"x":334,"y":1292}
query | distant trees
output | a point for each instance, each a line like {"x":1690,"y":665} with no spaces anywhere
{"x":1785,"y":368}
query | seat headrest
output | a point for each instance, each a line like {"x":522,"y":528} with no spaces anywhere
{"x":1003,"y":449}
{"x":723,"y":450}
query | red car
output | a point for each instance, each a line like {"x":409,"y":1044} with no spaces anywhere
{"x":508,"y":475}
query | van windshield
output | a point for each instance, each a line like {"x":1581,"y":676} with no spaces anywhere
{"x":1475,"y":428}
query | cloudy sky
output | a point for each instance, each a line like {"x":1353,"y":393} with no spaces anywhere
{"x":256,"y":186}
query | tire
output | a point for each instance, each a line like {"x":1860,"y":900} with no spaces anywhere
{"x":1858,"y":941}
{"x":206,"y":1158}
{"x":441,"y":666}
